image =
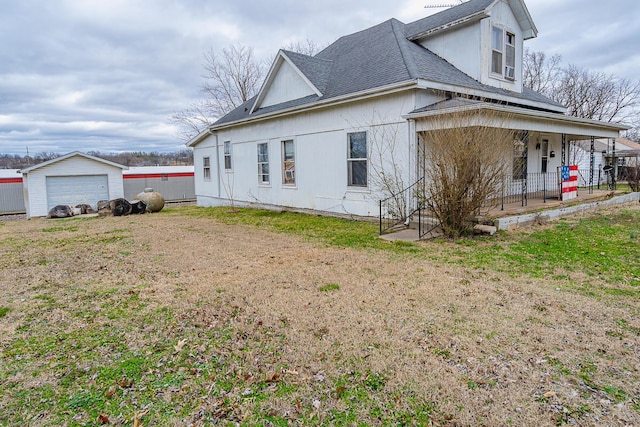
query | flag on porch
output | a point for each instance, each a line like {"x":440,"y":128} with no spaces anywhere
{"x":569,"y":182}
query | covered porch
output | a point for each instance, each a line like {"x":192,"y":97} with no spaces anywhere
{"x":533,"y":181}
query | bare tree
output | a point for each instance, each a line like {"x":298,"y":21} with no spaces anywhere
{"x":307,"y":47}
{"x":597,"y":96}
{"x":231,"y":78}
{"x":466,"y":160}
{"x":539,"y":72}
{"x":586,"y":94}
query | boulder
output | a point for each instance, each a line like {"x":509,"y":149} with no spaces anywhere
{"x":85,"y":208}
{"x":120,"y":207}
{"x":138,"y":207}
{"x":61,"y":211}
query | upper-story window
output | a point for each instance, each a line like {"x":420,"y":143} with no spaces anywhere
{"x":503,"y":53}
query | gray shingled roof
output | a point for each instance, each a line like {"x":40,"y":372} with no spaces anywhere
{"x":447,"y":16}
{"x":316,"y":69}
{"x":376,"y":57}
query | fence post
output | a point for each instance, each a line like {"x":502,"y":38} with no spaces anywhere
{"x":380,"y":203}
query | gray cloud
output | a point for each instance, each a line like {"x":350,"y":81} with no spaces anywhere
{"x":106,"y":75}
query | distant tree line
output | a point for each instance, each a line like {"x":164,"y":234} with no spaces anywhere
{"x":129,"y":158}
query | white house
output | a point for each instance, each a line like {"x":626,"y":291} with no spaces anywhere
{"x":70,"y":180}
{"x":323,"y":127}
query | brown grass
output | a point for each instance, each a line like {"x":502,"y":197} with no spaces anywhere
{"x":487,"y":349}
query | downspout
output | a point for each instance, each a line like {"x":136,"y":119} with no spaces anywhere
{"x":217,"y":160}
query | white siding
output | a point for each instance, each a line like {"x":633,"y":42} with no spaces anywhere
{"x":36,"y":187}
{"x":286,"y":86}
{"x":468,"y":48}
{"x":320,"y":139}
{"x":502,"y":16}
{"x":462,"y":48}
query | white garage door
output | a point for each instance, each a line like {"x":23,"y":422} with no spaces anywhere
{"x":73,"y":190}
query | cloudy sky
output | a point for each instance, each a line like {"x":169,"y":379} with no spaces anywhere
{"x":106,"y":75}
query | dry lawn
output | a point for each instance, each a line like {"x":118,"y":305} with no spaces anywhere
{"x":303,"y":333}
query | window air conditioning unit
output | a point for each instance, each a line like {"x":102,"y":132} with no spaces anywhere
{"x":510,"y":73}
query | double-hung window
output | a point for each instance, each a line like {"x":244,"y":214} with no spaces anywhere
{"x":497,"y":48}
{"x":510,"y":56}
{"x":357,"y":159}
{"x":503,"y":53}
{"x":206,"y":168}
{"x":227,"y":155}
{"x":263,"y":163}
{"x":288,"y":163}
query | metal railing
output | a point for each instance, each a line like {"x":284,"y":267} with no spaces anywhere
{"x":427,"y":219}
{"x":543,"y":186}
{"x":393,"y":209}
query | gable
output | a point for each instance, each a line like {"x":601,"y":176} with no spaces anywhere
{"x":286,"y":86}
{"x":285,"y":82}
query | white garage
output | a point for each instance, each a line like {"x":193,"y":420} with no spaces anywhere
{"x":70,"y":180}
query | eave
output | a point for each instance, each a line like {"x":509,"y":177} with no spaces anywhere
{"x":324,"y":103}
{"x":449,"y":25}
{"x":533,"y":120}
{"x":482,"y":94}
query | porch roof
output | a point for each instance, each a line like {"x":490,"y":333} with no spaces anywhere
{"x":515,"y":117}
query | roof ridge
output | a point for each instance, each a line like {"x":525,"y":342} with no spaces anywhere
{"x":407,"y":58}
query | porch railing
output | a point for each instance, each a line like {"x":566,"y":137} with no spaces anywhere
{"x":545,"y":186}
{"x":393,"y":209}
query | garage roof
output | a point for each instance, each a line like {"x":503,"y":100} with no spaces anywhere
{"x":67,"y":156}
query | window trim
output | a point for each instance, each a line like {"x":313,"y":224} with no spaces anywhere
{"x":261,"y":174}
{"x":206,"y":168}
{"x":351,"y":160}
{"x":291,"y":172}
{"x":504,"y":66}
{"x":499,"y":50}
{"x":507,"y":65}
{"x":227,"y":155}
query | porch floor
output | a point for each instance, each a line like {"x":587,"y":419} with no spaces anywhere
{"x":515,"y":213}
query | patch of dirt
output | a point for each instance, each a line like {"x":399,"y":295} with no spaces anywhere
{"x":486,"y":348}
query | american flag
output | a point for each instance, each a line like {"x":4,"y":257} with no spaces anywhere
{"x":569,"y":182}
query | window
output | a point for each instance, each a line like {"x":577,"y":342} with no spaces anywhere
{"x":227,"y":155}
{"x":357,"y":159}
{"x":206,"y":168}
{"x":263,"y":163}
{"x":519,"y":159}
{"x":497,"y":41}
{"x":503,"y":53}
{"x":510,"y":57}
{"x":288,"y":163}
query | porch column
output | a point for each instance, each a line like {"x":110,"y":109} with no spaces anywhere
{"x":615,"y":164}
{"x":563,"y":158}
{"x":525,"y":155}
{"x":592,"y":161}
{"x":412,"y":169}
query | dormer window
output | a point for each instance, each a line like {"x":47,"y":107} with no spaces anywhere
{"x":503,"y":53}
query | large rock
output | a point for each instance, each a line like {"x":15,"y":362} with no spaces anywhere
{"x":120,"y":207}
{"x":63,"y":211}
{"x":85,"y":208}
